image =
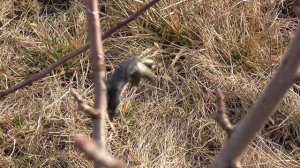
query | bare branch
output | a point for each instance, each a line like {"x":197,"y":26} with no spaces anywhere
{"x":129,"y":19}
{"x":220,"y":115}
{"x":246,"y":130}
{"x":76,"y":52}
{"x":83,"y":106}
{"x":98,"y":67}
{"x":91,"y":149}
{"x":44,"y":72}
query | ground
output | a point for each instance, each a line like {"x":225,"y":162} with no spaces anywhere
{"x":200,"y":46}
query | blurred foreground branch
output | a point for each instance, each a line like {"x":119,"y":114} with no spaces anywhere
{"x":95,"y":148}
{"x":90,"y":148}
{"x":258,"y":115}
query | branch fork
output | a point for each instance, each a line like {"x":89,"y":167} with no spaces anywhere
{"x":263,"y":108}
{"x":222,"y":119}
{"x":98,"y":155}
{"x":95,"y":148}
{"x":220,"y":115}
{"x":83,"y":106}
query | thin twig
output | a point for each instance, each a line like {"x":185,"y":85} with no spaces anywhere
{"x":90,"y":148}
{"x":76,"y":52}
{"x":130,"y":18}
{"x":83,"y":106}
{"x":222,"y":119}
{"x":258,"y":115}
{"x":220,"y":115}
{"x":44,"y":72}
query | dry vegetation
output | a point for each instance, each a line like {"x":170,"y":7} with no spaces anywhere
{"x":200,"y":46}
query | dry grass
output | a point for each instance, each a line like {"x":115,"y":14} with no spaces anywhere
{"x":200,"y":46}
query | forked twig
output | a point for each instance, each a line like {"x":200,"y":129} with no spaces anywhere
{"x":98,"y":68}
{"x":222,"y":119}
{"x":83,"y":106}
{"x":220,"y":115}
{"x":258,"y":115}
{"x":90,"y":148}
{"x":76,"y":52}
{"x":95,"y":148}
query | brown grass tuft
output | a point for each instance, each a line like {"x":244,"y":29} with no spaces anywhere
{"x":200,"y":46}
